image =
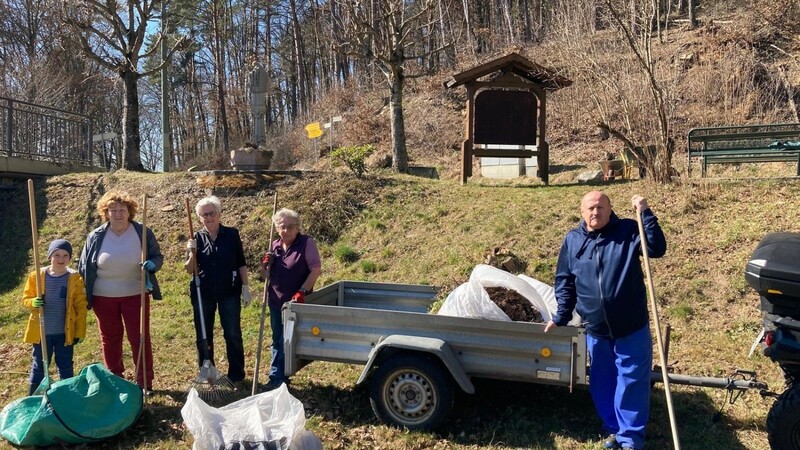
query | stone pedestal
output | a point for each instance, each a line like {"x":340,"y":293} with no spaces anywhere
{"x":248,"y":158}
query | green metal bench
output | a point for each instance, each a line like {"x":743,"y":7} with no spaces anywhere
{"x":742,"y":144}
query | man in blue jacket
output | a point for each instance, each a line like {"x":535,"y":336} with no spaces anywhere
{"x":599,"y":274}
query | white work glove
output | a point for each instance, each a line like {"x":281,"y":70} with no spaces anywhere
{"x":246,"y":297}
{"x":191,"y":244}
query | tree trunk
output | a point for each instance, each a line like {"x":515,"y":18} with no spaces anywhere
{"x":399,"y":153}
{"x":656,"y":17}
{"x":268,"y":59}
{"x":469,"y":26}
{"x":132,"y":159}
{"x":201,"y":136}
{"x":509,"y":25}
{"x":321,"y":73}
{"x":790,"y":92}
{"x":692,"y":12}
{"x":299,"y":57}
{"x":219,"y":63}
{"x":116,"y":149}
{"x":342,"y":65}
{"x":179,"y":133}
{"x":445,"y":25}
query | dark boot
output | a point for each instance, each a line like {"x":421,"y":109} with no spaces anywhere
{"x":611,"y":442}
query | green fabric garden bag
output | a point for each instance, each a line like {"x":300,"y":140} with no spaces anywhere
{"x":92,"y":406}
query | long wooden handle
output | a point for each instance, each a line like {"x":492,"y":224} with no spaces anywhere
{"x":651,"y":291}
{"x":189,"y":218}
{"x":142,"y":316}
{"x":272,"y":225}
{"x":144,"y":242}
{"x":191,"y":236}
{"x":265,"y":300}
{"x":37,"y":271}
{"x":34,"y":237}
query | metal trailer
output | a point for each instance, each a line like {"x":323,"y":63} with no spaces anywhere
{"x":413,"y":361}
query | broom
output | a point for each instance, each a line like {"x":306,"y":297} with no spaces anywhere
{"x":210,"y":384}
{"x":45,"y":384}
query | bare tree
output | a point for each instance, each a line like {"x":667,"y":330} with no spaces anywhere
{"x":29,"y":67}
{"x":112,"y":34}
{"x":382,"y":31}
{"x":656,"y":159}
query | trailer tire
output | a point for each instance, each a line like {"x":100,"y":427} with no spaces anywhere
{"x":783,"y":421}
{"x":411,"y":391}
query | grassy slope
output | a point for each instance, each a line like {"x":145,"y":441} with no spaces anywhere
{"x":422,"y":231}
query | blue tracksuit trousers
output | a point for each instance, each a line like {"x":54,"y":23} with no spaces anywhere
{"x":619,"y":382}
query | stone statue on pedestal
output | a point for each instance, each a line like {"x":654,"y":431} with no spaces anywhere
{"x":259,"y":85}
{"x":251,"y":156}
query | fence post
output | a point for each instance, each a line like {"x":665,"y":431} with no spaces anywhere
{"x":10,"y":127}
{"x":89,"y":143}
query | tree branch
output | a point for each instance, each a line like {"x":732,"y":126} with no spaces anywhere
{"x":616,"y":134}
{"x":181,"y":44}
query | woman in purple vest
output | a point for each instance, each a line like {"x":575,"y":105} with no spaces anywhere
{"x":294,"y":265}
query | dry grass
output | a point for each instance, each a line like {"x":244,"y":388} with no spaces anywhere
{"x":434,"y":232}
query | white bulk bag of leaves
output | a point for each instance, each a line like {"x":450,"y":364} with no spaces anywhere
{"x":471,"y":299}
{"x":269,"y":420}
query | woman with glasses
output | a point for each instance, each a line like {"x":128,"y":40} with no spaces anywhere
{"x":293,"y":266}
{"x":223,"y":283}
{"x":111,"y":267}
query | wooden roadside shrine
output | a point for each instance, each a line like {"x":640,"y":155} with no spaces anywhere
{"x":508,"y":110}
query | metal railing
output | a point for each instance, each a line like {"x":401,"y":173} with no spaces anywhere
{"x":42,"y":133}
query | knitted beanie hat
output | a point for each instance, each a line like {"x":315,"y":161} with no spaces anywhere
{"x":59,"y":244}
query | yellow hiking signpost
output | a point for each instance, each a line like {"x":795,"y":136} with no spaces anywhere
{"x":314,"y":130}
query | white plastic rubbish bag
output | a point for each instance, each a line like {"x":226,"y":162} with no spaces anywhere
{"x":471,"y":299}
{"x":548,"y":294}
{"x":266,"y":421}
{"x":306,"y":440}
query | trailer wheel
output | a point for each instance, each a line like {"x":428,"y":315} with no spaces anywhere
{"x":411,"y":391}
{"x":783,"y":421}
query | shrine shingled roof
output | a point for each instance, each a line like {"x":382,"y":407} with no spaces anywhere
{"x":515,"y":63}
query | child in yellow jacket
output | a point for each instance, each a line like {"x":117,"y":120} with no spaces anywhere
{"x":64,"y":306}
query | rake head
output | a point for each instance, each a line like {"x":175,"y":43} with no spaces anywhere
{"x":211,"y":385}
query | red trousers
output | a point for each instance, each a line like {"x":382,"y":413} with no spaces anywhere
{"x":114,"y":315}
